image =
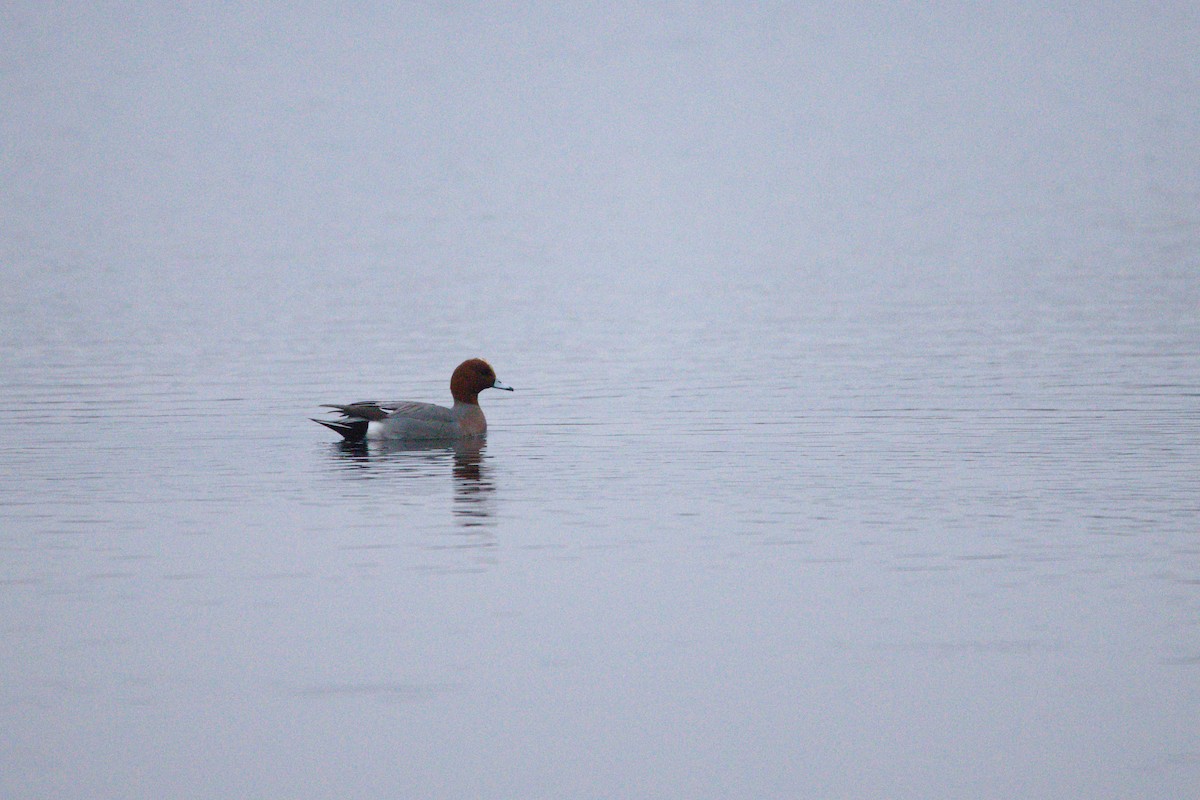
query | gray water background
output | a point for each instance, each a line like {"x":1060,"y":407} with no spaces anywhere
{"x":856,"y":439}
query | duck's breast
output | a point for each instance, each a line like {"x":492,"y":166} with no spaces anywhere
{"x":469,"y":419}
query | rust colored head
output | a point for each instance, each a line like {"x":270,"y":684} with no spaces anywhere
{"x":472,"y":377}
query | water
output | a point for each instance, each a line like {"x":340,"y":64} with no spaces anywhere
{"x":854,"y":446}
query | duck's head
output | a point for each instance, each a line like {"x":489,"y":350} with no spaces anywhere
{"x":471,"y":377}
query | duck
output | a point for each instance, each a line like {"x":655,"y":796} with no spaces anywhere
{"x":406,"y":420}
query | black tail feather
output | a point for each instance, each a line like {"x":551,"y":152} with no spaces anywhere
{"x":352,"y":430}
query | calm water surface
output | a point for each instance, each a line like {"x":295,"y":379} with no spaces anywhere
{"x":827,"y":473}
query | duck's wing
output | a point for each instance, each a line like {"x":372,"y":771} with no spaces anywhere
{"x":379,"y":410}
{"x":424,"y":412}
{"x":370,"y":410}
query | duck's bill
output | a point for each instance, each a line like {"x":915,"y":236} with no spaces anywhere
{"x":504,"y":386}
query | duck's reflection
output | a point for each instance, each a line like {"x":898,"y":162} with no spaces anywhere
{"x":473,"y":483}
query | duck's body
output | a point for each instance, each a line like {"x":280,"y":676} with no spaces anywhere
{"x":404,"y":420}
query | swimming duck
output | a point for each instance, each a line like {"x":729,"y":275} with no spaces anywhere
{"x":405,"y":420}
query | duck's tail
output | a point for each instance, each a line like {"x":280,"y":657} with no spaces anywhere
{"x":352,"y":429}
